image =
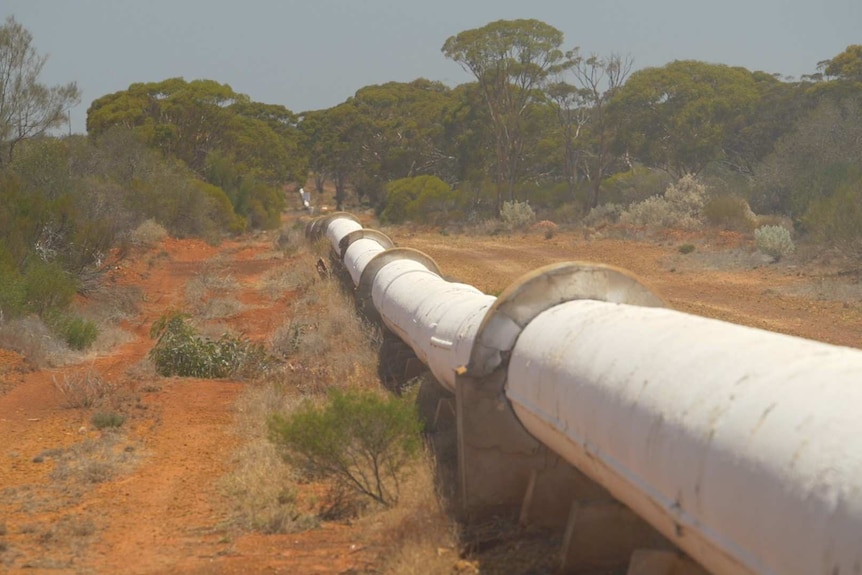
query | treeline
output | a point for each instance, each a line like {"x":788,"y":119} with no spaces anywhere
{"x":570,"y":132}
{"x":573,"y":134}
{"x":187,"y":158}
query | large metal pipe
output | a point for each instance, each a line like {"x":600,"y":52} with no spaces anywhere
{"x":437,"y":318}
{"x":741,"y":446}
{"x":744,"y":447}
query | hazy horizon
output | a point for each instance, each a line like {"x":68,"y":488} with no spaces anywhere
{"x":309,"y":56}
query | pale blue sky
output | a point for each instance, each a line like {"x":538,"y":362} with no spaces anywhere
{"x":314,"y":54}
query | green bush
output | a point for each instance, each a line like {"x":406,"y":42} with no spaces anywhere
{"x":179,"y":350}
{"x":774,"y":241}
{"x":425,"y":199}
{"x":837,"y":220}
{"x":685,"y":249}
{"x":12,"y":292}
{"x":47,"y":286}
{"x":107,"y":420}
{"x":359,"y":439}
{"x":77,"y":332}
{"x":729,"y":212}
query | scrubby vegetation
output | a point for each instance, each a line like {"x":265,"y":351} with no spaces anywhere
{"x":180,"y":350}
{"x":774,"y":241}
{"x":362,"y":440}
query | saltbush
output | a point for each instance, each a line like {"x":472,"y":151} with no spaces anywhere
{"x":517,"y":215}
{"x":680,"y":207}
{"x":603,"y":214}
{"x":359,"y":439}
{"x":148,"y":233}
{"x":774,"y":241}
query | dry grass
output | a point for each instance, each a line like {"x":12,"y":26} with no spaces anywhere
{"x":261,"y":487}
{"x":297,"y":277}
{"x":420,"y":538}
{"x":35,"y":341}
{"x":82,"y":389}
{"x":93,"y":460}
{"x":148,"y":234}
{"x":325,"y":343}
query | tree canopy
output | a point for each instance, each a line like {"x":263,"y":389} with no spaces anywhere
{"x":511,"y":60}
{"x":678,"y":117}
{"x":28,"y":108}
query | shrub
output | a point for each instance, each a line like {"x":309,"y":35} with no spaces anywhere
{"x":517,"y":215}
{"x":729,"y":212}
{"x":77,"y":332}
{"x":774,"y":241}
{"x":425,"y":199}
{"x":179,"y":350}
{"x":82,"y":389}
{"x":358,"y":439}
{"x":837,"y":220}
{"x":110,"y":420}
{"x":603,"y":214}
{"x":680,"y":207}
{"x":148,"y":233}
{"x":634,"y":185}
{"x":47,"y":287}
{"x":686,"y":249}
{"x":12,"y":290}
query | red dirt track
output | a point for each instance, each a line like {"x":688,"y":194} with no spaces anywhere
{"x":166,"y":513}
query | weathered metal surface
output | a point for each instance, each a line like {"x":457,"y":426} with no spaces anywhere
{"x":744,"y":447}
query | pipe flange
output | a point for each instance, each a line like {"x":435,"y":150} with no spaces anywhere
{"x":312,"y":226}
{"x":540,"y":290}
{"x":378,"y":237}
{"x":366,"y":280}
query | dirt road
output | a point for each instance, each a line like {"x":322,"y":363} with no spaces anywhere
{"x":147,"y":499}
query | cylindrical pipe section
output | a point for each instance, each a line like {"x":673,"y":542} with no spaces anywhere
{"x":437,"y":318}
{"x":741,"y":446}
{"x":358,"y":254}
{"x":338,"y":228}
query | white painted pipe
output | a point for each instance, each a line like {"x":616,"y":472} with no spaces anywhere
{"x":338,"y":228}
{"x":744,"y":447}
{"x":358,"y":254}
{"x":437,"y":318}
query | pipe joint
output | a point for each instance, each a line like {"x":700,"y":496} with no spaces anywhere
{"x":542,"y":289}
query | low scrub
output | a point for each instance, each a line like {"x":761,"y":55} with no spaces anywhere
{"x":358,"y":439}
{"x":730,"y":213}
{"x":77,"y":332}
{"x":83,"y":389}
{"x":148,"y":234}
{"x":109,"y":420}
{"x":774,"y":241}
{"x":180,"y":350}
{"x":680,"y":207}
{"x":517,"y":215}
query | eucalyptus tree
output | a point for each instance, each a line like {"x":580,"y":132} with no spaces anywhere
{"x":511,"y":61}
{"x":845,"y":66}
{"x":678,"y":117}
{"x":28,"y":108}
{"x":581,"y":107}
